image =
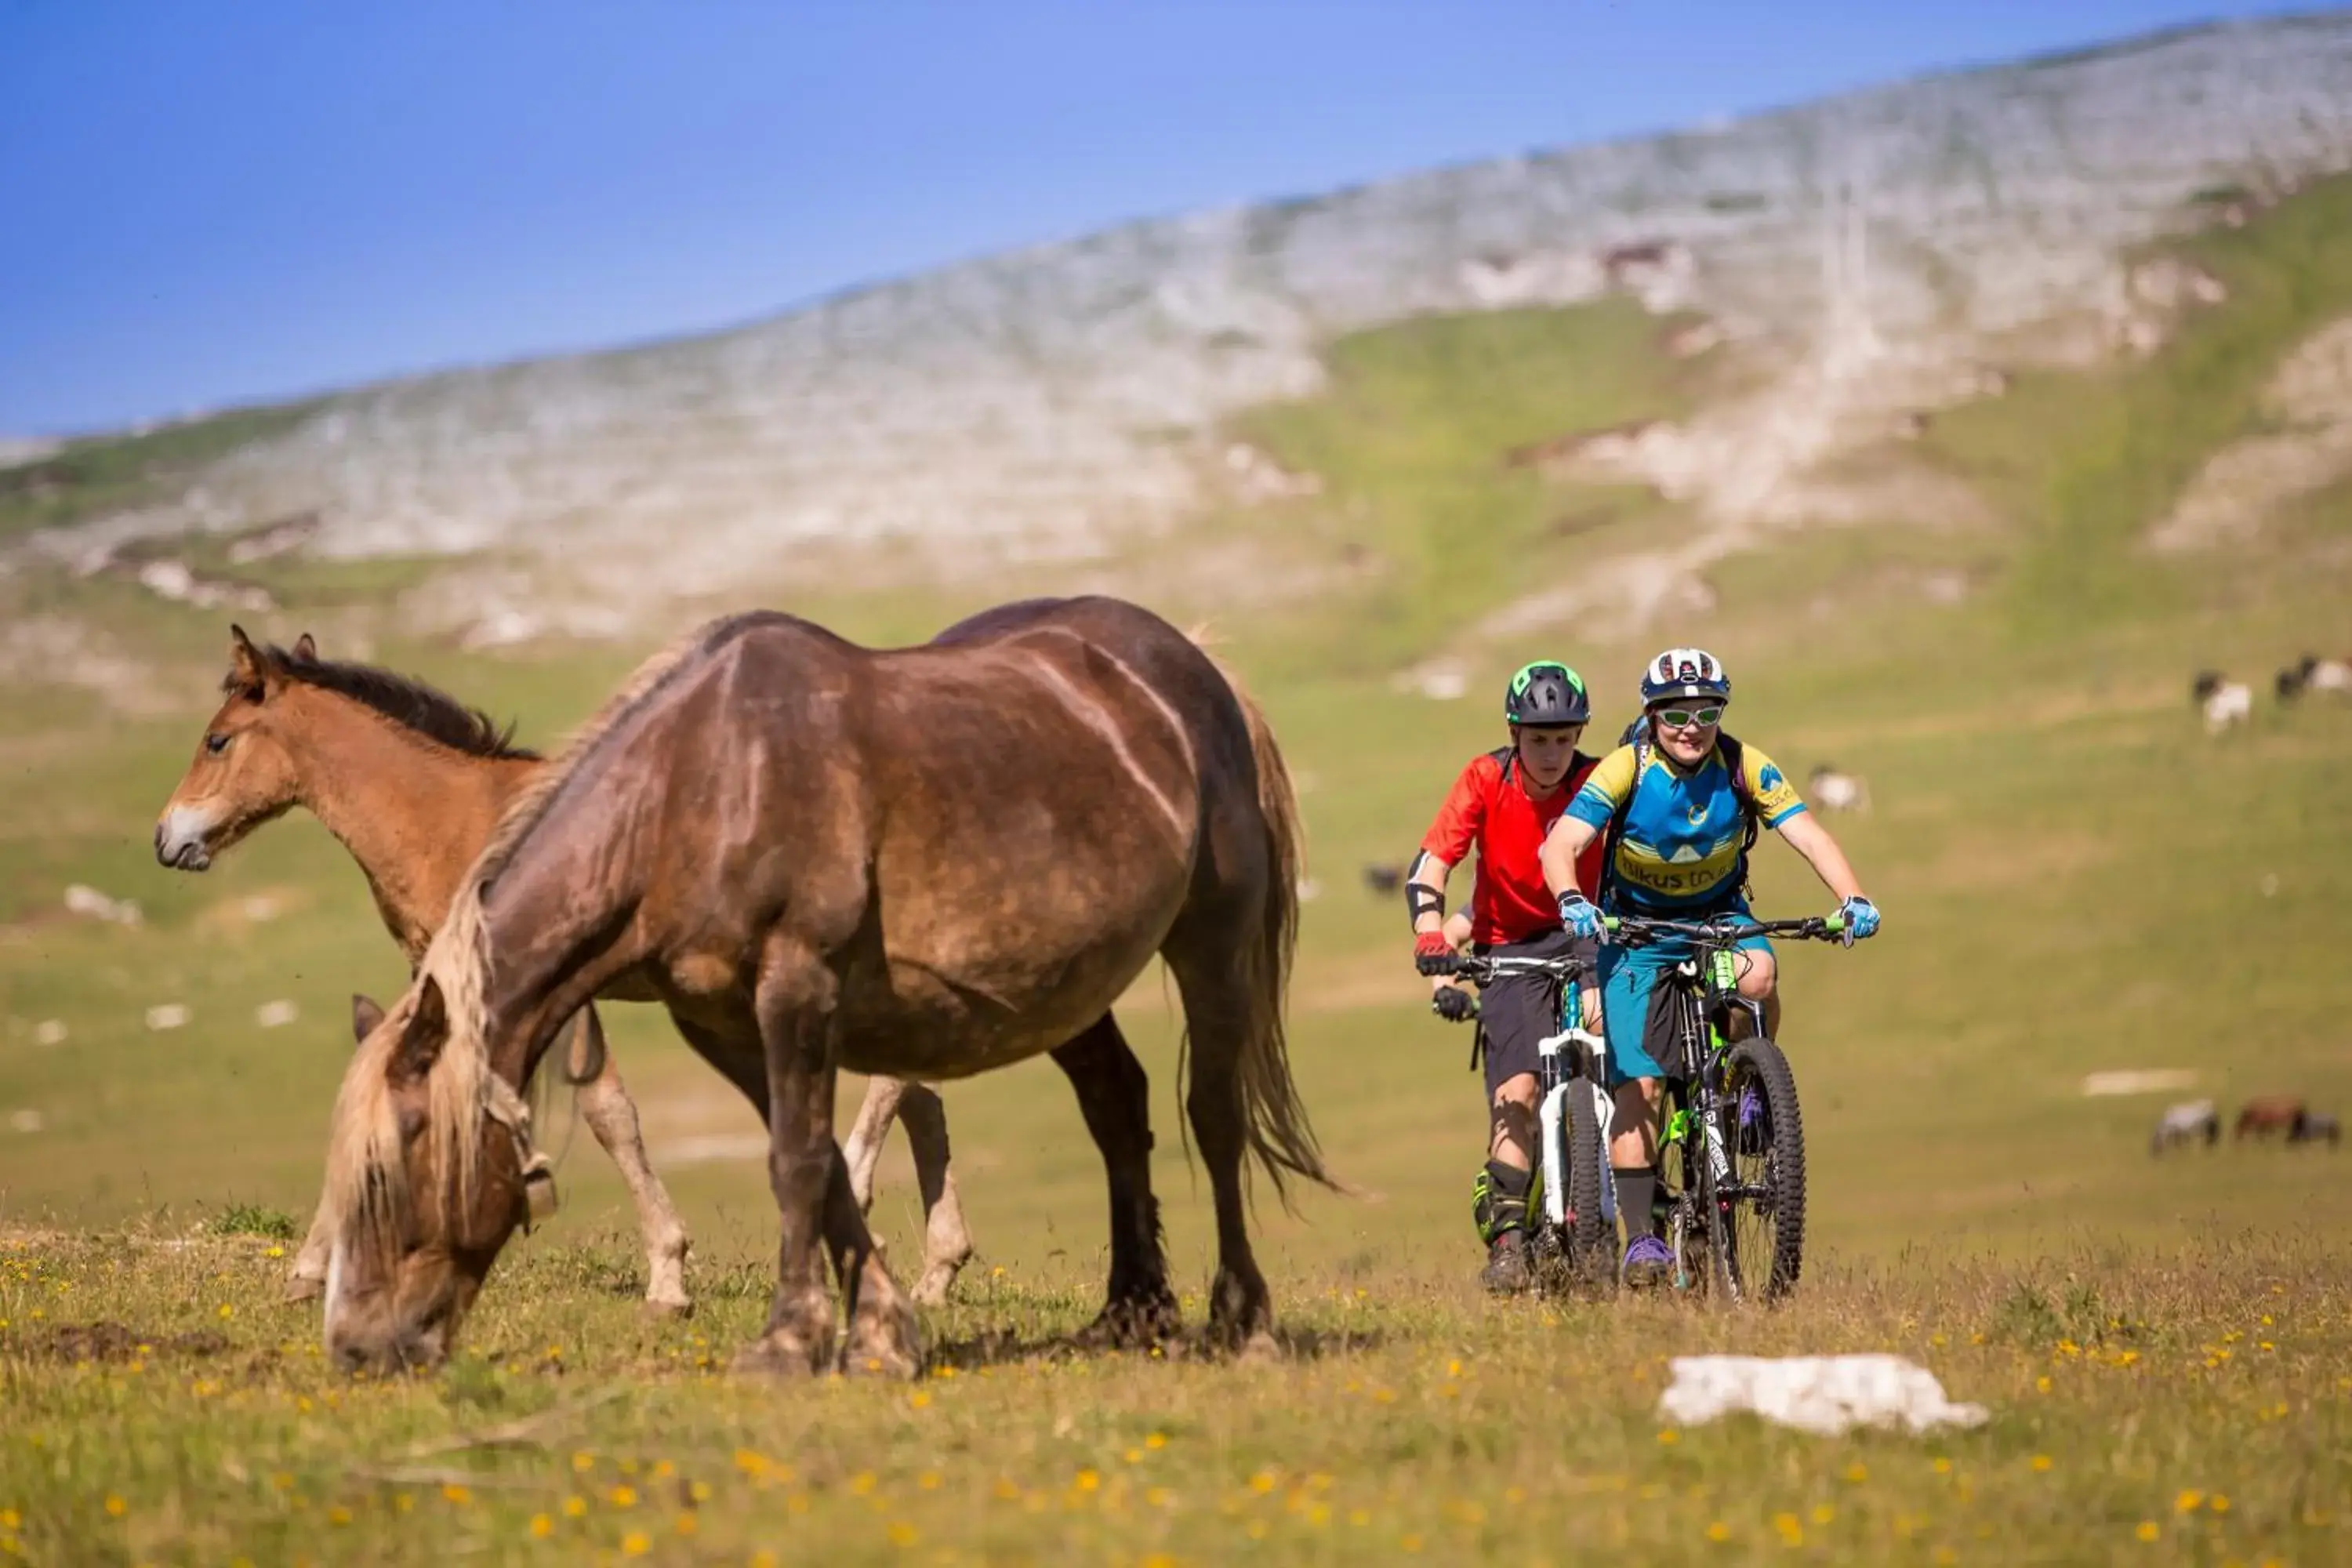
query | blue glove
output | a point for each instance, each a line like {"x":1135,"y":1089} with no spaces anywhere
{"x":1861,"y":917}
{"x":1581,"y":917}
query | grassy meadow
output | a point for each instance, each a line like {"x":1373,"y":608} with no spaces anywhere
{"x":2074,"y":878}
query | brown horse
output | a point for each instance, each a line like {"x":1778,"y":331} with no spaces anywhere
{"x":412,"y":782}
{"x":2269,"y":1113}
{"x":925,"y":862}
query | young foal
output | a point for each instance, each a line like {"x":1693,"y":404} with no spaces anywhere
{"x":923,"y":862}
{"x":412,"y":782}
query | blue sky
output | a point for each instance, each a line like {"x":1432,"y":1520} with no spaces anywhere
{"x":208,"y":202}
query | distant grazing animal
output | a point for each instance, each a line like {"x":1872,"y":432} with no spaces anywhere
{"x":2270,"y":1113}
{"x":1834,"y":791}
{"x":2315,"y":674}
{"x":1384,"y":879}
{"x":2315,"y":1128}
{"x":2189,"y":1122}
{"x":2225,"y":701}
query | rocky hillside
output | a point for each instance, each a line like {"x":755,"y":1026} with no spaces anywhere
{"x":1854,"y":263}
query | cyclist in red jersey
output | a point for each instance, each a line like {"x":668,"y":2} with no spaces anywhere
{"x":1503,"y":803}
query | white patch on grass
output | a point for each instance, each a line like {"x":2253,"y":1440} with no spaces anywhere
{"x":2137,"y":1080}
{"x":276,"y":1015}
{"x":168,"y":1016}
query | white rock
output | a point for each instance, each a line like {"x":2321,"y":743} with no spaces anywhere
{"x":49,"y":1032}
{"x":86,"y":901}
{"x":27,"y":1121}
{"x":1825,"y":1395}
{"x":276,"y":1015}
{"x":167,"y":1016}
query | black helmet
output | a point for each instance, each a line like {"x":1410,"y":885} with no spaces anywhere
{"x":1546,"y":693}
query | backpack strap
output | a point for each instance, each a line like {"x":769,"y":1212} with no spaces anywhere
{"x":1735,"y":762}
{"x":1637,"y":735}
{"x":1507,"y":758}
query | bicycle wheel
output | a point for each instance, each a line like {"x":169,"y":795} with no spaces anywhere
{"x":1589,"y":1245}
{"x":1761,"y":1208}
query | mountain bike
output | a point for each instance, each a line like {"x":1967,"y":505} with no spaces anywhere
{"x":1574,"y":1199}
{"x":1731,"y":1150}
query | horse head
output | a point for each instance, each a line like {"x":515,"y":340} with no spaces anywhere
{"x":243,"y":773}
{"x":431,"y":1171}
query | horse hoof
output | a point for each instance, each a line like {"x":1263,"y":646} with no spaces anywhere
{"x":887,"y":1343}
{"x":931,"y":1289}
{"x":785,"y":1356}
{"x":1260,"y":1348}
{"x":1132,"y":1325}
{"x":663,"y":1308}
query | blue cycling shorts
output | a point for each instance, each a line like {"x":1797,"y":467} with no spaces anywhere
{"x":1637,"y":1031}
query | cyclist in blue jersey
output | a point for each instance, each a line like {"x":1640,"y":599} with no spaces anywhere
{"x":1676,"y":809}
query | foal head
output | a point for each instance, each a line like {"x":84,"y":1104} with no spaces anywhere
{"x":430,"y":1171}
{"x":243,"y":773}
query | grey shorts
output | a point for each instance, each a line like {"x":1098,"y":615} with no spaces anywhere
{"x":1518,"y":1010}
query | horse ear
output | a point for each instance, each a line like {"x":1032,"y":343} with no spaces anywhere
{"x":421,"y":1040}
{"x":366,"y":1017}
{"x":305,"y":649}
{"x":244,"y":660}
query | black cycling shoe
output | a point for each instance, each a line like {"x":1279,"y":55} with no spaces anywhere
{"x":1506,"y":1272}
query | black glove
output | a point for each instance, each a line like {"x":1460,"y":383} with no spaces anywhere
{"x":1454,"y":1004}
{"x":1433,"y":954}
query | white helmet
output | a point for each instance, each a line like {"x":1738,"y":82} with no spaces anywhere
{"x":1684,"y":672}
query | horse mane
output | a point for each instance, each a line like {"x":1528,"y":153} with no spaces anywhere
{"x":405,"y":700}
{"x":366,"y":1176}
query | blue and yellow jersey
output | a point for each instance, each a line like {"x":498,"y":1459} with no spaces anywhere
{"x":1681,"y":846}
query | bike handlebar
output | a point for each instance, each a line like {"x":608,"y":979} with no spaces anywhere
{"x":1816,"y":927}
{"x":1483,"y":969}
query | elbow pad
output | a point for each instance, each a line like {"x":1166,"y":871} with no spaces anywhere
{"x":1419,"y":898}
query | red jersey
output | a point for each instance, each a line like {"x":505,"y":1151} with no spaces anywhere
{"x":1489,"y":807}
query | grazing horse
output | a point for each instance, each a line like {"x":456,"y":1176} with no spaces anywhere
{"x":411,"y":782}
{"x":2193,"y":1120}
{"x":923,"y":862}
{"x":2269,"y":1113}
{"x":2314,"y":1128}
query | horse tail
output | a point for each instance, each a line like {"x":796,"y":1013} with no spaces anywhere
{"x":1279,"y":1134}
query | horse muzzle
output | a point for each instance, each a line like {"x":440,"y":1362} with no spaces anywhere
{"x":180,"y":843}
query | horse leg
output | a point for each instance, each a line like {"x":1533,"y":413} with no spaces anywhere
{"x":947,"y":1245}
{"x":817,"y":1211}
{"x":307,"y":1280}
{"x":1217,"y":1020}
{"x":604,"y":1104}
{"x":1115,"y":1095}
{"x":864,"y":1149}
